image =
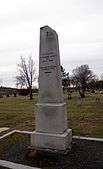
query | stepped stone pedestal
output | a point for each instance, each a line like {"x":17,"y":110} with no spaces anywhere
{"x":52,"y":133}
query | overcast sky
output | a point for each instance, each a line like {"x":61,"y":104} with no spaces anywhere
{"x":79,"y":24}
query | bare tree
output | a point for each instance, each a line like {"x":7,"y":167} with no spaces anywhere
{"x":101,"y":76}
{"x":81,"y":76}
{"x":27,"y":74}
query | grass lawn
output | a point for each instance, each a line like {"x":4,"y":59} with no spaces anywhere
{"x":85,"y":119}
{"x":17,"y":113}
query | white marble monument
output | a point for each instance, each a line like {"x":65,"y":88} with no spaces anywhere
{"x":52,"y":132}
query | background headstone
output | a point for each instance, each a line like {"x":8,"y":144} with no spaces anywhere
{"x":79,"y":101}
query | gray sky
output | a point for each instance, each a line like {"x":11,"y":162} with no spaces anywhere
{"x":79,"y":24}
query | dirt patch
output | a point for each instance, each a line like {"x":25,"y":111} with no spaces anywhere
{"x":84,"y":154}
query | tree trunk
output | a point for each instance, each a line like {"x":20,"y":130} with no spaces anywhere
{"x":31,"y":94}
{"x":82,"y":94}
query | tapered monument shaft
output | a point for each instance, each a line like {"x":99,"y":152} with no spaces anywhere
{"x":51,"y":117}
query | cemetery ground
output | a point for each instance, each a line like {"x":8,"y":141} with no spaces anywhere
{"x":83,"y":155}
{"x":85,"y":118}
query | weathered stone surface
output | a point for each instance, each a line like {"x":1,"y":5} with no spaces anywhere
{"x":50,"y":84}
{"x":51,"y":117}
{"x":3,"y":129}
{"x":57,"y":142}
{"x":12,"y":165}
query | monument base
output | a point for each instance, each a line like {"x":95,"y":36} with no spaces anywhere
{"x":52,"y":142}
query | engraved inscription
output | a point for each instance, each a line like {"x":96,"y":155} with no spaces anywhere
{"x":50,"y":53}
{"x":47,"y":67}
{"x":47,"y":62}
{"x":47,"y":58}
{"x":47,"y":72}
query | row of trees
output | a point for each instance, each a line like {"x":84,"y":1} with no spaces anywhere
{"x":82,"y":77}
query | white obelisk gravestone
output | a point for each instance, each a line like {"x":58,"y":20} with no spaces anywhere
{"x":52,"y":132}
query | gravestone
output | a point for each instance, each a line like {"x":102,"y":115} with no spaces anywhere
{"x":79,"y":101}
{"x":52,"y":132}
